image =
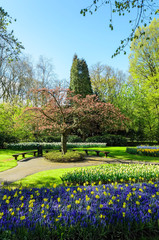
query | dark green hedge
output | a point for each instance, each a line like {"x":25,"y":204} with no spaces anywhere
{"x":111,"y":140}
{"x":131,"y":150}
{"x":74,"y":139}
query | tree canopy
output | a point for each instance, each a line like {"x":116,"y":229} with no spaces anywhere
{"x":7,"y":40}
{"x":142,"y":14}
{"x":64,"y":113}
{"x":144,"y":70}
{"x":79,"y":78}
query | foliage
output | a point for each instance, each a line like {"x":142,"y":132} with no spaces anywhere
{"x":79,"y":79}
{"x":142,"y":11}
{"x":74,"y":139}
{"x":106,"y":82}
{"x":144,"y":70}
{"x":111,"y":140}
{"x":7,"y":40}
{"x":12,"y":128}
{"x":68,"y":157}
{"x":124,"y":211}
{"x":131,"y":150}
{"x":113,"y":173}
{"x":53,"y":145}
{"x":20,"y":76}
{"x":65,"y":113}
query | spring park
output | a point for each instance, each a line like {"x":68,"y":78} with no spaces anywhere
{"x":79,"y":159}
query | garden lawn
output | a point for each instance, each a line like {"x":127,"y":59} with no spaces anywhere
{"x":7,"y":161}
{"x":118,"y":173}
{"x":45,"y":179}
{"x":120,"y":153}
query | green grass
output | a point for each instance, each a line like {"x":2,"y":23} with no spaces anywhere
{"x":45,"y":178}
{"x":120,"y":153}
{"x":7,"y":161}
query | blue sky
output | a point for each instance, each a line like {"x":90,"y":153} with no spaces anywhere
{"x":57,"y":30}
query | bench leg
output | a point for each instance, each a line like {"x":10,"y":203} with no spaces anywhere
{"x":16,"y":157}
{"x":34,"y":154}
{"x":23,"y":155}
{"x":86,"y":152}
{"x":97,"y":153}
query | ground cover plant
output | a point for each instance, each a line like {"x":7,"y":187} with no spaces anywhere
{"x":113,"y":173}
{"x":111,"y":211}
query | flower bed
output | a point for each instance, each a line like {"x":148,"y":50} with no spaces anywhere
{"x":53,"y":145}
{"x":148,"y":150}
{"x":122,"y":209}
{"x":113,"y":173}
{"x":152,"y":151}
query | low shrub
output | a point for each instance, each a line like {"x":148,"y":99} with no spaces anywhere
{"x":137,"y":143}
{"x":68,"y":157}
{"x":131,"y":150}
{"x":111,"y":140}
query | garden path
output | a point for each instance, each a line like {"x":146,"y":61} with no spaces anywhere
{"x":30,"y":166}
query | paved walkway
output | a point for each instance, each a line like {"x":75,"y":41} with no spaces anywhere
{"x":30,"y":166}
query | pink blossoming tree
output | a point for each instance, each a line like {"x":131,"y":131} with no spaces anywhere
{"x":65,"y":112}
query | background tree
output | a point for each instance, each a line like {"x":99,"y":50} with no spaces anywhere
{"x":142,"y":11}
{"x":7,"y":40}
{"x":13,"y":128}
{"x":144,"y":70}
{"x":64,"y":117}
{"x":106,"y":82}
{"x":79,"y":78}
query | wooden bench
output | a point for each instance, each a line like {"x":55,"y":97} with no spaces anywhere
{"x":97,"y":152}
{"x":23,"y":154}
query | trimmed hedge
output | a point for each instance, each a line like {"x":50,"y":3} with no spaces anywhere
{"x":68,"y":157}
{"x":131,"y":150}
{"x":111,"y":140}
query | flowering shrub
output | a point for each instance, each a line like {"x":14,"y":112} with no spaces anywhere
{"x":148,"y":150}
{"x":113,"y":173}
{"x":121,"y":209}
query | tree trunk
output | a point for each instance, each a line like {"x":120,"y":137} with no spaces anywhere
{"x":63,"y":143}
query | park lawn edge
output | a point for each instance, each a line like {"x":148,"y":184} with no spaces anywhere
{"x":43,"y":178}
{"x":120,"y":153}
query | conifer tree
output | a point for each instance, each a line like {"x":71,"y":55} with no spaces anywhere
{"x":79,"y":78}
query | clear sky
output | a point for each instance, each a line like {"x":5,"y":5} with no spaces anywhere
{"x":57,"y":30}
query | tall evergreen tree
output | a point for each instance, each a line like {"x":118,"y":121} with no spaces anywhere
{"x":79,"y":78}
